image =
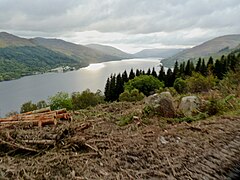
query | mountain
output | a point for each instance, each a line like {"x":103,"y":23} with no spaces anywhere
{"x":215,"y":47}
{"x":109,"y":50}
{"x":21,"y":56}
{"x":160,"y":53}
{"x":7,"y":40}
{"x":84,"y":54}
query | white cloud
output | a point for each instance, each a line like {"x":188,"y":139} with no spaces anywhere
{"x":122,"y":22}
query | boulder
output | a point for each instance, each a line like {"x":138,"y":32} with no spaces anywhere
{"x":162,"y":104}
{"x":189,"y":105}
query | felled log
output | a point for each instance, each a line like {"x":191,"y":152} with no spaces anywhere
{"x":43,"y":110}
{"x":38,"y":117}
{"x":17,"y":146}
{"x":40,"y":142}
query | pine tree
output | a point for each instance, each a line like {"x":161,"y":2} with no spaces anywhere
{"x":154,"y":72}
{"x":203,"y":69}
{"x":188,"y":69}
{"x":210,"y":65}
{"x":232,"y":61}
{"x":112,"y":93}
{"x":148,"y":71}
{"x":131,"y":74}
{"x":182,"y":69}
{"x":218,"y":69}
{"x":119,"y":86}
{"x":125,"y":76}
{"x":198,"y":66}
{"x":138,"y":73}
{"x":161,"y":75}
{"x":169,"y":78}
{"x":176,"y":70}
{"x":107,"y":90}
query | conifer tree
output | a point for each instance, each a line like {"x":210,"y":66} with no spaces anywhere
{"x":188,"y":69}
{"x":138,"y":73}
{"x":107,"y":90}
{"x":203,"y":69}
{"x":131,"y":74}
{"x":161,"y":75}
{"x":154,"y":72}
{"x":198,"y":66}
{"x":125,"y":76}
{"x":119,"y":85}
{"x":218,"y":69}
{"x":210,"y":64}
{"x":169,"y":78}
{"x":182,"y":69}
{"x":176,"y":70}
{"x":112,"y":93}
{"x":148,"y":71}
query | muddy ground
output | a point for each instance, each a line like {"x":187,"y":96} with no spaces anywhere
{"x":94,"y":146}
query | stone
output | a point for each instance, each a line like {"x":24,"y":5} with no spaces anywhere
{"x":162,"y":104}
{"x":189,"y":105}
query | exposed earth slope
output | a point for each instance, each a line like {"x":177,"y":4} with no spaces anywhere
{"x":93,"y":146}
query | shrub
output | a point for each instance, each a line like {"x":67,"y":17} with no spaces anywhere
{"x":60,"y":100}
{"x":28,"y":106}
{"x":41,"y":104}
{"x":199,"y":83}
{"x":144,"y":83}
{"x":230,"y":84}
{"x":132,"y":96}
{"x":180,"y":85}
{"x":86,"y":99}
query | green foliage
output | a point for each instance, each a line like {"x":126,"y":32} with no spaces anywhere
{"x":231,"y":83}
{"x":12,"y":113}
{"x":199,"y":116}
{"x":144,"y":83}
{"x":180,"y":85}
{"x":131,"y":96}
{"x":148,"y":111}
{"x":215,"y":106}
{"x":41,"y":104}
{"x":124,"y":120}
{"x":199,"y":83}
{"x":86,"y":99}
{"x":60,"y":100}
{"x":16,"y":62}
{"x":28,"y":106}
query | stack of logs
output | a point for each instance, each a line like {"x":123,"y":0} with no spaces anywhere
{"x":38,"y":117}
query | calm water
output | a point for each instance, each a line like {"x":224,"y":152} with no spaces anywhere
{"x":39,"y":87}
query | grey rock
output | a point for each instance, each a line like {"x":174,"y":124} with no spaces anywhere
{"x":189,"y":105}
{"x":162,"y":104}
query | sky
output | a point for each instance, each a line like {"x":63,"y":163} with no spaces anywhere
{"x":131,"y":25}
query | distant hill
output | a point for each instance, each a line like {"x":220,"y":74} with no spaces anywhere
{"x":215,"y":47}
{"x":109,"y":50}
{"x":7,"y":40}
{"x":21,"y":56}
{"x":82,"y":53}
{"x":160,"y":53}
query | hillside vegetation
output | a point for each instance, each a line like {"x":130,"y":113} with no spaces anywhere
{"x":21,"y":56}
{"x":216,"y":48}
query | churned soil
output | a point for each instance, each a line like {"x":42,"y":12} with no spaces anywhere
{"x":94,"y":146}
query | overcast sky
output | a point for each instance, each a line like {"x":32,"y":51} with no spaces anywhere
{"x":130,"y":25}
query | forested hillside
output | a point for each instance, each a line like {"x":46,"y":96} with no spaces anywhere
{"x":20,"y":56}
{"x":19,"y":61}
{"x":215,"y":47}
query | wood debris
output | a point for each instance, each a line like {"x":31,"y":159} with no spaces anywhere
{"x":38,"y":117}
